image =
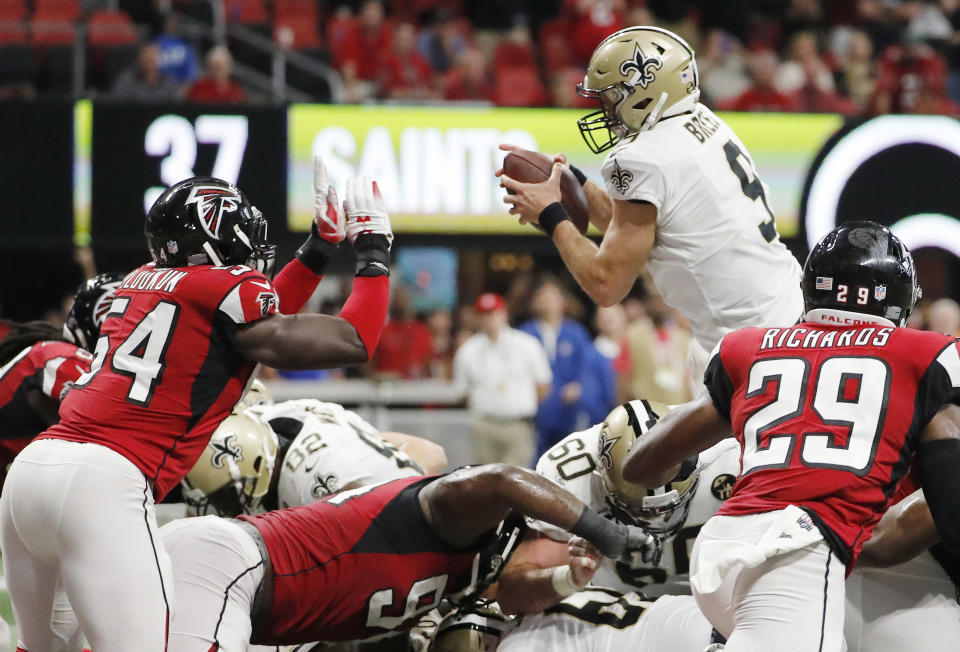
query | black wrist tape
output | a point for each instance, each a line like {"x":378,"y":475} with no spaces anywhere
{"x":609,"y":537}
{"x":316,"y":252}
{"x":551,"y":216}
{"x":578,"y":173}
{"x":938,"y":462}
{"x":373,"y":254}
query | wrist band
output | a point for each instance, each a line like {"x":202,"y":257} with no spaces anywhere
{"x":609,"y":537}
{"x":581,"y":177}
{"x":373,"y":254}
{"x":562,"y":580}
{"x":316,"y":252}
{"x":551,"y":216}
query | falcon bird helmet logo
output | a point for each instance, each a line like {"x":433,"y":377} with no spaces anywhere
{"x":212,"y":202}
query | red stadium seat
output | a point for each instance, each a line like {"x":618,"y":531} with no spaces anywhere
{"x":13,"y":10}
{"x":299,"y":9}
{"x":13,"y":31}
{"x":52,"y":32}
{"x":518,"y":86}
{"x":110,"y":28}
{"x":246,"y":12}
{"x":56,"y":10}
{"x":513,"y":55}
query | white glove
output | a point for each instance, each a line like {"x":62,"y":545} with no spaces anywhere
{"x":366,"y":210}
{"x":329,"y":218}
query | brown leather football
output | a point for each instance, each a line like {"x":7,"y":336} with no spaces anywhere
{"x":534,"y":167}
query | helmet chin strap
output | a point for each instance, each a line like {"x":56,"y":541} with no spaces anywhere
{"x":654,"y":116}
{"x":212,"y":255}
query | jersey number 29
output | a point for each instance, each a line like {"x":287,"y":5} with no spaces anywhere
{"x":850,"y":392}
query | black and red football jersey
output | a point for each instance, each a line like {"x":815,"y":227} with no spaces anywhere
{"x":828,"y":416}
{"x":45,"y":366}
{"x":165,"y":371}
{"x":356,"y":565}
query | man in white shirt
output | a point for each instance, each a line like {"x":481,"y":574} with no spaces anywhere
{"x":682,"y":197}
{"x":505,"y":374}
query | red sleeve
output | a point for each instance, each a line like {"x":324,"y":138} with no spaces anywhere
{"x":60,"y":363}
{"x":250,"y":300}
{"x":294,"y":285}
{"x":366,"y":309}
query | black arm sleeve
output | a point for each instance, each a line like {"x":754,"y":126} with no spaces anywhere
{"x":938,"y":462}
{"x":719,"y":385}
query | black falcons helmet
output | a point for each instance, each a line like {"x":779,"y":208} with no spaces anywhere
{"x":90,"y":305}
{"x":861,"y":267}
{"x":207,"y":221}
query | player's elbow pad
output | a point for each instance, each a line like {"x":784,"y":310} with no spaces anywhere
{"x":938,"y":462}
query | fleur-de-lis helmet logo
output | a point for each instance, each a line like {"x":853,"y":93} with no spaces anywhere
{"x":641,"y":68}
{"x":229,"y":448}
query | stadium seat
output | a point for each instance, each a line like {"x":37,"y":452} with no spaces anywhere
{"x":246,"y":12}
{"x":12,"y":10}
{"x":47,"y":32}
{"x":56,"y":10}
{"x":13,"y":32}
{"x":519,"y":86}
{"x":107,"y":27}
{"x":304,"y":34}
{"x":513,"y":55}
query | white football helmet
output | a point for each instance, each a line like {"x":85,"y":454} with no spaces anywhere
{"x":661,"y":511}
{"x":234,"y":471}
{"x":638,"y":75}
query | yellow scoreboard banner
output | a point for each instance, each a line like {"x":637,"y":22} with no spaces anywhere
{"x":435,"y":165}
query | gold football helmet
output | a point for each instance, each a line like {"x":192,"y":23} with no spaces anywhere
{"x":638,"y":75}
{"x":234,"y":471}
{"x":474,"y":629}
{"x":660,"y":511}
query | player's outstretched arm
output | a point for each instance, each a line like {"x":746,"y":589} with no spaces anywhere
{"x":469,"y":502}
{"x":301,"y":342}
{"x":430,"y":456}
{"x":938,"y":457}
{"x":683,"y":432}
{"x":906,"y":530}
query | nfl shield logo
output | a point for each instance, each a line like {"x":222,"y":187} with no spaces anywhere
{"x":880,"y":292}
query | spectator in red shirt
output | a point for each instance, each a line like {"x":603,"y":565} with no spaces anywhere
{"x":405,"y":73}
{"x":762,"y":94}
{"x":373,"y":37}
{"x":406,"y":345}
{"x":470,"y":79}
{"x":911,"y":78}
{"x":217,"y":86}
{"x":595,"y":21}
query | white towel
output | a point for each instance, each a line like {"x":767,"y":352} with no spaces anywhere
{"x":789,"y":529}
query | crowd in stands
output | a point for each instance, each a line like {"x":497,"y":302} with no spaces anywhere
{"x":848,"y":56}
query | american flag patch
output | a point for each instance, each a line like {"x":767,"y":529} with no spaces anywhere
{"x":686,"y":75}
{"x":824,"y":283}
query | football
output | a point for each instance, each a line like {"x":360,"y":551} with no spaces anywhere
{"x":534,"y":167}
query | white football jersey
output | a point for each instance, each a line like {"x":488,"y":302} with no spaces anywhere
{"x":572,"y":464}
{"x":717,"y":257}
{"x":600,"y":620}
{"x":333,"y":449}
